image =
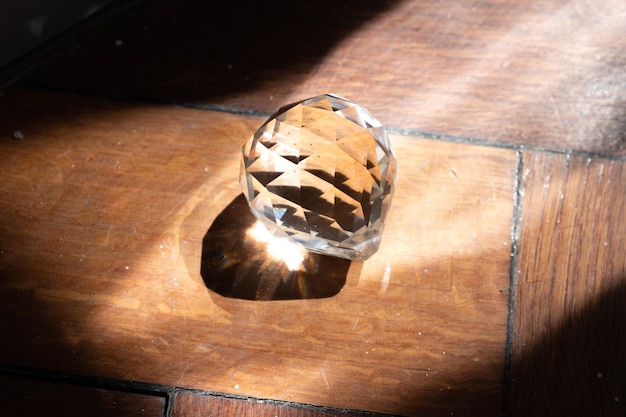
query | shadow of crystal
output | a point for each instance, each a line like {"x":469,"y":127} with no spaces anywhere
{"x":237,"y":264}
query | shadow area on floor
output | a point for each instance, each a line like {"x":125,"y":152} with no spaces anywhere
{"x":579,"y":367}
{"x":235,"y":264}
{"x":191,"y":51}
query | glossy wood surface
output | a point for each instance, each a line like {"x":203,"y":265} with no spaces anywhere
{"x":118,"y":218}
{"x":498,"y":288}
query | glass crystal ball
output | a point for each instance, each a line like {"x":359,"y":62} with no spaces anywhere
{"x":320,"y":173}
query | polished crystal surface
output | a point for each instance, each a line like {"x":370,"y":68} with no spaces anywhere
{"x":320,"y":173}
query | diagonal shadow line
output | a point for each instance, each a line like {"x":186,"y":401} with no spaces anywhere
{"x":577,"y":368}
{"x":191,"y":51}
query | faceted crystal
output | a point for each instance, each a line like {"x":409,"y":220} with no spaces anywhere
{"x":320,"y":173}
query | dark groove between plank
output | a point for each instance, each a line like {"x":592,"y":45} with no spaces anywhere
{"x":343,"y":411}
{"x":502,"y":145}
{"x":468,"y":140}
{"x":168,"y":409}
{"x":167,"y":392}
{"x":515,"y":234}
{"x":112,"y":384}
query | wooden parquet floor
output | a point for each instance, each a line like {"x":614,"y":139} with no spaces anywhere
{"x":500,"y":285}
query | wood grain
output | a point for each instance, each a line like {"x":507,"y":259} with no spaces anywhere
{"x":104,"y":205}
{"x":570,"y":309}
{"x":189,"y":405}
{"x":538,"y":73}
{"x":31,"y":398}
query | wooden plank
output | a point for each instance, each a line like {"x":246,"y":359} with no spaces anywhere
{"x":570,"y":309}
{"x":547,"y":74}
{"x":31,"y":398}
{"x":190,"y":405}
{"x":104,"y":205}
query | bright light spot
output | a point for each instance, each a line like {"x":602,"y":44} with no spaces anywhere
{"x":290,"y":254}
{"x":386,"y":277}
{"x":259,"y":232}
{"x":279,"y":248}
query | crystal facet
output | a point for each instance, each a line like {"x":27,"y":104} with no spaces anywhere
{"x":321,"y":172}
